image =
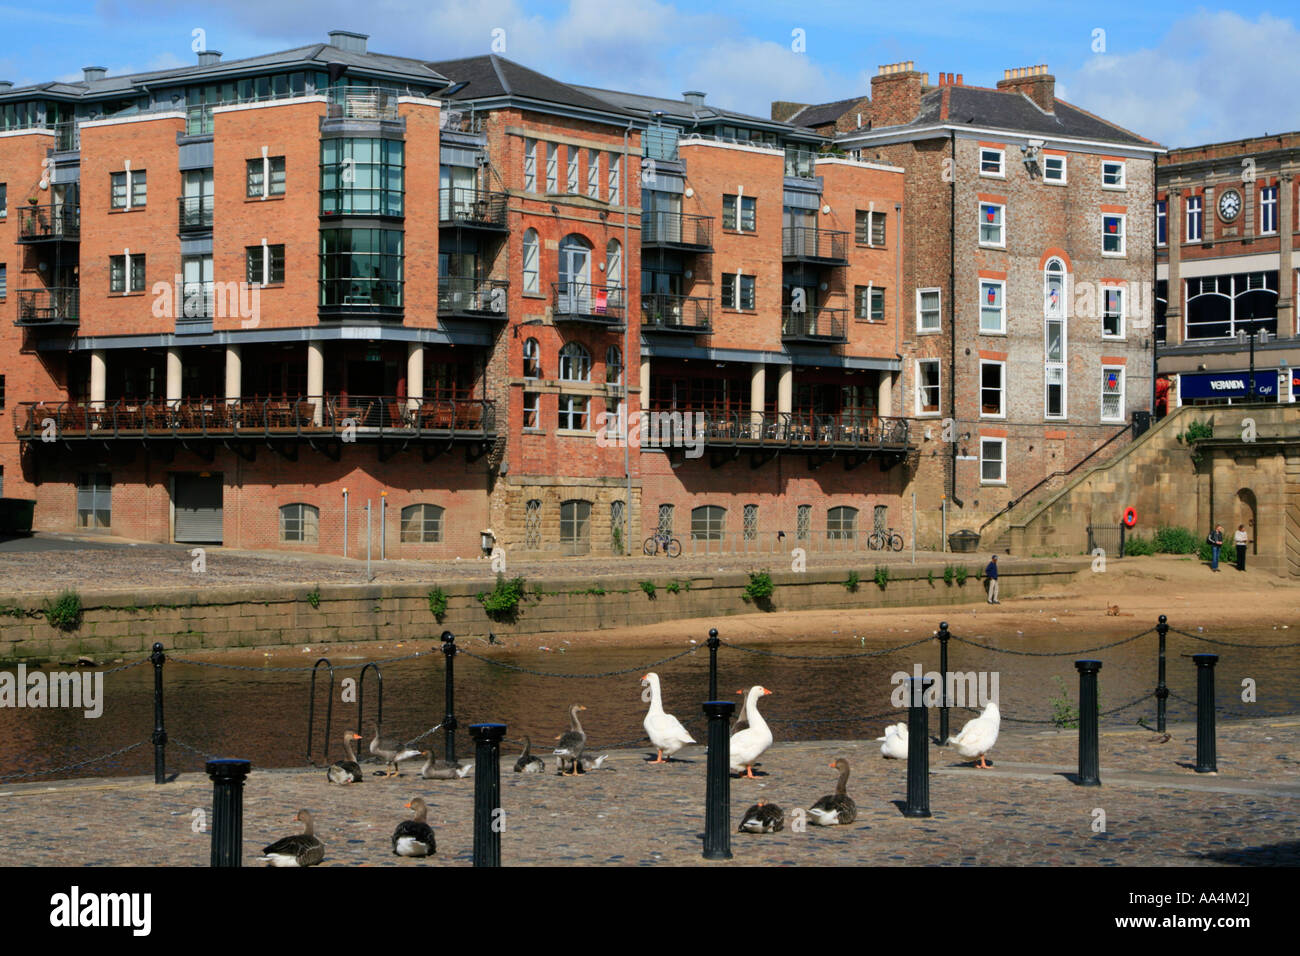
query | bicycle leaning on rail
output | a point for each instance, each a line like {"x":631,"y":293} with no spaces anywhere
{"x":662,"y":542}
{"x":888,"y":539}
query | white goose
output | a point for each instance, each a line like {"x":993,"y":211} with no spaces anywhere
{"x":664,"y":730}
{"x":979,"y":735}
{"x":895,"y":741}
{"x":749,"y":744}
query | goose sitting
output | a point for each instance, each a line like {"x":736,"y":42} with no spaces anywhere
{"x":527,"y":763}
{"x":590,"y":763}
{"x":763,"y":817}
{"x":571,"y":743}
{"x":749,"y":744}
{"x":664,"y":730}
{"x":301,"y":849}
{"x":391,"y":750}
{"x":837,"y":807}
{"x":979,"y":735}
{"x":346,"y":771}
{"x":414,"y":837}
{"x":444,"y":769}
{"x":895,"y":741}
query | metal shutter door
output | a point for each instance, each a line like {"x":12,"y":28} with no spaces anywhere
{"x":198,"y":509}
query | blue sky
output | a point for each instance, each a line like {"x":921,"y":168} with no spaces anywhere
{"x":1179,"y":74}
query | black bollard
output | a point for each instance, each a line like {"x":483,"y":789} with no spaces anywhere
{"x":1162,"y":690}
{"x":227,"y":810}
{"x":943,"y":688}
{"x":159,"y":733}
{"x":1207,"y":759}
{"x":449,"y":718}
{"x":1089,"y":768}
{"x":489,"y":818}
{"x":713,"y":643}
{"x":918,"y":749}
{"x":717,"y":793}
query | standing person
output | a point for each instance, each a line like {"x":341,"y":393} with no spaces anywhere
{"x":991,"y":572}
{"x":1241,"y":539}
{"x":1216,"y":545}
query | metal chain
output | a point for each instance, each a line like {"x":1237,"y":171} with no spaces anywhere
{"x":825,"y":657}
{"x":1033,"y":720}
{"x":1210,"y":640}
{"x":126,"y":667}
{"x":626,"y":670}
{"x":1085,"y":650}
{"x":72,"y":766}
{"x":206,"y":756}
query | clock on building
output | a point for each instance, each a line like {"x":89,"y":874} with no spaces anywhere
{"x":1229,"y":205}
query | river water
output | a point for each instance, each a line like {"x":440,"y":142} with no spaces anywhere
{"x":262,"y":714}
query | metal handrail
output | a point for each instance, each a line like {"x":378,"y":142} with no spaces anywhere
{"x":819,"y":323}
{"x":853,"y":428}
{"x":676,"y":229}
{"x":813,"y":242}
{"x":597,"y":302}
{"x":49,"y":222}
{"x":311,"y":707}
{"x":472,"y":206}
{"x":461,"y":294}
{"x":667,"y":311}
{"x":362,"y":102}
{"x":195,"y":212}
{"x":41,"y":306}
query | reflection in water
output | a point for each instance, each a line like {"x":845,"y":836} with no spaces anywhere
{"x":261,"y":715}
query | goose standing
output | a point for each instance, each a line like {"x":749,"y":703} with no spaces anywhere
{"x":444,"y":769}
{"x":749,"y":744}
{"x":979,"y":735}
{"x":346,"y":771}
{"x":414,"y":837}
{"x":741,"y":720}
{"x":571,"y":743}
{"x":391,"y":749}
{"x":664,"y":730}
{"x":837,"y":807}
{"x":763,"y":817}
{"x":301,"y":849}
{"x":527,"y":763}
{"x":895,"y":741}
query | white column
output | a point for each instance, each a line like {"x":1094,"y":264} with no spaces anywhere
{"x":234,"y":374}
{"x":885,"y":394}
{"x":785,"y":390}
{"x":98,"y":377}
{"x":316,"y":380}
{"x":414,"y":374}
{"x":757,"y":397}
{"x":173,"y":375}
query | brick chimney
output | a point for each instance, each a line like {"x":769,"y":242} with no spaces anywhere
{"x":782,"y":110}
{"x":896,"y":94}
{"x":1035,"y":82}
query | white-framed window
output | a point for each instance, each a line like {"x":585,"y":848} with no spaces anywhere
{"x":575,"y":363}
{"x":1113,"y":226}
{"x":993,"y":389}
{"x":532,"y":359}
{"x":1054,"y":391}
{"x":993,"y":224}
{"x":1055,"y":290}
{"x":1112,"y":174}
{"x":300,"y":523}
{"x":571,"y":179}
{"x":739,"y":213}
{"x":738,"y":292}
{"x":1112,"y":312}
{"x":128,"y":189}
{"x":421,"y":524}
{"x":1112,"y":393}
{"x":927,"y":387}
{"x":1195,"y":218}
{"x":708,"y":523}
{"x":1268,"y":209}
{"x":614,"y":264}
{"x":593,"y":174}
{"x":993,"y":162}
{"x":993,"y":461}
{"x":552,"y":168}
{"x":532,"y":410}
{"x":929,"y":317}
{"x":993,"y":306}
{"x":1054,"y":169}
{"x":573,"y":412}
{"x":530,"y":165}
{"x":613,"y":365}
{"x":1162,"y":222}
{"x":869,"y":228}
{"x":615,"y":169}
{"x":532,"y":262}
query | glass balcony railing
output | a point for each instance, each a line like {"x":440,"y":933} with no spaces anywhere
{"x":195,"y":213}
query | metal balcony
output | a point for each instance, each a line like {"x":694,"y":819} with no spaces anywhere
{"x":472,"y":209}
{"x":813,"y":245}
{"x":674,"y":230}
{"x":851,"y":430}
{"x":195,"y":213}
{"x":823,"y":326}
{"x":661,"y":312}
{"x":48,"y":306}
{"x":50,"y":223}
{"x":360,"y":102}
{"x":473,"y":298}
{"x":593,"y":304}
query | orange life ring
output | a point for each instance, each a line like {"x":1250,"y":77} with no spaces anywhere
{"x":1130,"y":518}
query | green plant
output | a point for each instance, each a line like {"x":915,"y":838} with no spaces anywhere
{"x":502,"y":602}
{"x":313,"y":597}
{"x":1064,"y":713}
{"x":960,"y":574}
{"x":649,"y":588}
{"x":760,"y":588}
{"x":851,"y":585}
{"x":617,"y":535}
{"x":64,"y":612}
{"x":1203,"y":551}
{"x":595,"y":589}
{"x":672,"y":587}
{"x":1137,"y":546}
{"x":882,"y":577}
{"x":437,"y":602}
{"x":1174,"y":540}
{"x":948,"y":574}
{"x":929,"y":576}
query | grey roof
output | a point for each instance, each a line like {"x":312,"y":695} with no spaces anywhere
{"x":681,"y":112}
{"x":822,"y":113}
{"x":491,"y":76}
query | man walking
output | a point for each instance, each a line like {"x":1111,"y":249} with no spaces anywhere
{"x":1216,"y":544}
{"x":1241,"y":539}
{"x":991,"y":573}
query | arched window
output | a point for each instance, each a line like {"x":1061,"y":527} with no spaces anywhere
{"x":575,"y":526}
{"x":1055,"y":290}
{"x":300,"y":523}
{"x":613,"y":366}
{"x":532,"y":359}
{"x":574,"y":261}
{"x":532,"y":262}
{"x":708,"y":522}
{"x":842,"y":523}
{"x":575,"y":363}
{"x":421,"y":524}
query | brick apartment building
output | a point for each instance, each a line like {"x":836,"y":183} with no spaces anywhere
{"x":1225,"y":235}
{"x":1028,"y":243}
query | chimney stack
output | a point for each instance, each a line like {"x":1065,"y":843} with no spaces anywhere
{"x":92,"y":73}
{"x":896,"y":94}
{"x":6,"y":85}
{"x":1033,"y":81}
{"x":694,"y":99}
{"x":348,"y":41}
{"x":209,"y":57}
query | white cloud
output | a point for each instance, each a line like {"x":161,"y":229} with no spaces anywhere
{"x":1212,"y":77}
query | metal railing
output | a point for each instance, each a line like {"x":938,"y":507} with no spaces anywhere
{"x":676,"y":229}
{"x":819,"y":540}
{"x":310,"y":416}
{"x":813,"y":244}
{"x":850,"y":429}
{"x":67,"y":137}
{"x":37,"y":223}
{"x":1109,"y":537}
{"x":462,"y":296}
{"x":472,"y":207}
{"x":48,"y":306}
{"x":362,"y":102}
{"x":818,"y":325}
{"x":194,"y":213}
{"x":583,"y":302}
{"x":660,"y":310}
